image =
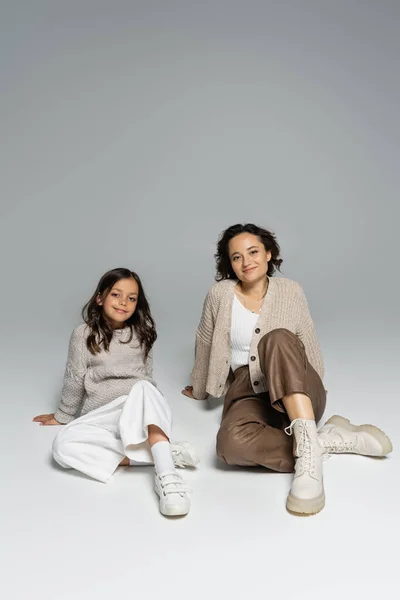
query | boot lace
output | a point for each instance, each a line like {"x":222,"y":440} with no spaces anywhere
{"x":333,"y":446}
{"x":305,"y":453}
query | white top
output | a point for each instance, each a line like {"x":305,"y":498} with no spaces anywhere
{"x":242,"y":328}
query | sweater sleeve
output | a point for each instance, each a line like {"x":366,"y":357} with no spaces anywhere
{"x":73,"y":390}
{"x":204,"y":335}
{"x":148,"y":365}
{"x":148,"y":368}
{"x":306,"y":333}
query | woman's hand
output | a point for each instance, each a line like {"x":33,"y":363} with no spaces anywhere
{"x":46,"y":420}
{"x":188,"y":391}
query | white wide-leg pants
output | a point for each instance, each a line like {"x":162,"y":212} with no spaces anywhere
{"x":96,"y":443}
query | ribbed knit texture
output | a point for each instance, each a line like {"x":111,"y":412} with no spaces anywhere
{"x":91,"y":381}
{"x":285,"y":306}
{"x":243,"y":324}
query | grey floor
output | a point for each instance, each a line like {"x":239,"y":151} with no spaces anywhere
{"x":133,"y":134}
{"x":65,"y":536}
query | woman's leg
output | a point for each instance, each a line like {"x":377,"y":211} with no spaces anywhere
{"x":251,"y":431}
{"x":293,"y":384}
{"x":247,"y":436}
{"x":296,"y":388}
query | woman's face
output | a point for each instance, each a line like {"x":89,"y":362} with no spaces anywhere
{"x":248,"y":257}
{"x":120,"y":302}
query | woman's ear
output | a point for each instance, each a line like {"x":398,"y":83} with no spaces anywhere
{"x":269,"y":255}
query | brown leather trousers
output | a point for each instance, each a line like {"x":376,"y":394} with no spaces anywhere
{"x":252,"y":426}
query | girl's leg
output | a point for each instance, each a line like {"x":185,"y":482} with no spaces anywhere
{"x":145,"y":428}
{"x":91,"y":444}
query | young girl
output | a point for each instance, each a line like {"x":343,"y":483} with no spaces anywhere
{"x":124,"y":419}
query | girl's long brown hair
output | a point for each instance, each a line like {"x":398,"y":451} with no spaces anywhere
{"x":101,"y":331}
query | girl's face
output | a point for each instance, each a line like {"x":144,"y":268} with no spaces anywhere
{"x":248,"y":257}
{"x":120,"y":302}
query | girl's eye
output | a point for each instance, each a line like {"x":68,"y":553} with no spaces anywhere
{"x":115,"y":294}
{"x":235,"y":258}
{"x":132,"y":299}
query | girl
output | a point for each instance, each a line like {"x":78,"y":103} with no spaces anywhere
{"x":256,"y":343}
{"x":124,"y":419}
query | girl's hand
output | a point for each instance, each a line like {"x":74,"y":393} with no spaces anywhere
{"x":46,"y":420}
{"x":188,"y":391}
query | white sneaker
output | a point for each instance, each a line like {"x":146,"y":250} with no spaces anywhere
{"x":173,"y":493}
{"x":184,"y":454}
{"x":306,"y":496}
{"x":339,"y":436}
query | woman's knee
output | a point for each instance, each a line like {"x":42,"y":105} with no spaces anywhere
{"x":279,"y":336}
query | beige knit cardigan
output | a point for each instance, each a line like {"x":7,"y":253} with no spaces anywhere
{"x":284,"y":306}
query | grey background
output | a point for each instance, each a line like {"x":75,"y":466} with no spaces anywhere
{"x":132,"y":134}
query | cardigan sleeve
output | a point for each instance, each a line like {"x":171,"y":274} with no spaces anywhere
{"x":306,"y":333}
{"x":204,"y":335}
{"x":73,"y":390}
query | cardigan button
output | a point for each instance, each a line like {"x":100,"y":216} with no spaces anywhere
{"x":252,"y":358}
{"x":257,"y":330}
{"x":256,"y":383}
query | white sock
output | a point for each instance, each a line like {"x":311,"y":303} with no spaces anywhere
{"x":138,"y":463}
{"x":162,"y":455}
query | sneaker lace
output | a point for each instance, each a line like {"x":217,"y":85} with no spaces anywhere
{"x":305,"y":462}
{"x":171,"y":483}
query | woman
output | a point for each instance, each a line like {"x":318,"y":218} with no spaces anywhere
{"x":256,"y":343}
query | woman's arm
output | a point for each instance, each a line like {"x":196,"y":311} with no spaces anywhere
{"x":73,"y":390}
{"x":204,"y":335}
{"x":306,"y":333}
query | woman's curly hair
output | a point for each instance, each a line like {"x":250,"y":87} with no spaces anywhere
{"x":223,"y":262}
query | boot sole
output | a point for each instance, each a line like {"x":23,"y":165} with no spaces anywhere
{"x":377,"y":433}
{"x":303,"y":507}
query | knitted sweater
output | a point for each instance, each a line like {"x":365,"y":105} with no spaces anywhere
{"x":284,"y":306}
{"x":93,"y":380}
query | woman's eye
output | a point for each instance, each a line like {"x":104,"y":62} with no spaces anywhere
{"x":254,"y":252}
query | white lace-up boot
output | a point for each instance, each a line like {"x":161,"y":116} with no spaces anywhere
{"x":306,"y":496}
{"x":339,"y":436}
{"x":173,"y":494}
{"x":184,"y":454}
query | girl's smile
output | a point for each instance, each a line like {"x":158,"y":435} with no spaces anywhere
{"x":120,"y":302}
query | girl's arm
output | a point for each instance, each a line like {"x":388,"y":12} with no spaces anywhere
{"x":73,"y":390}
{"x":148,"y":365}
{"x":306,"y":333}
{"x":204,"y":336}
